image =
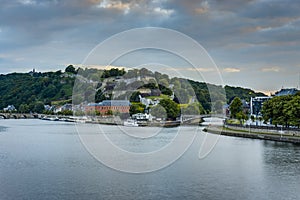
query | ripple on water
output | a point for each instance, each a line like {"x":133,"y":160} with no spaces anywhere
{"x":3,"y":128}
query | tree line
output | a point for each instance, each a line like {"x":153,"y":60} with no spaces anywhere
{"x":279,"y":110}
{"x":282,"y":110}
{"x":30,"y":91}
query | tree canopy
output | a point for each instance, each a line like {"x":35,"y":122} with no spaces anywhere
{"x":282,"y":110}
{"x":70,"y":69}
{"x":172,"y":108}
{"x":235,"y":107}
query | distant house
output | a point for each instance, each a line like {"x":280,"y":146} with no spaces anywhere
{"x":256,"y":105}
{"x":144,"y":92}
{"x":67,"y":106}
{"x":47,"y":107}
{"x":155,"y":92}
{"x":287,"y":91}
{"x":10,"y":108}
{"x":63,"y":108}
{"x":56,"y":109}
{"x":121,"y":106}
{"x":80,"y":107}
{"x":148,"y":102}
{"x":246,"y":106}
{"x":31,"y":73}
{"x":226,"y":110}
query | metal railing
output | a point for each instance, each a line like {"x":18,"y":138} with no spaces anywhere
{"x":268,"y":129}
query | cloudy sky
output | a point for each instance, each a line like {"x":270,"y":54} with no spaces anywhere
{"x":255,"y":43}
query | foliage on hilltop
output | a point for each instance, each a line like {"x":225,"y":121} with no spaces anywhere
{"x":28,"y":89}
{"x":242,"y":93}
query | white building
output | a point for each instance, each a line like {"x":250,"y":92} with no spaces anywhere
{"x":142,"y":116}
{"x":148,"y":102}
{"x":256,"y":104}
{"x":10,"y":108}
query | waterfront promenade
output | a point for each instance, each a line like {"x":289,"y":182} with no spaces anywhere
{"x":253,"y":133}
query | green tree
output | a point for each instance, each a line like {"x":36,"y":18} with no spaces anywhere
{"x":109,"y":112}
{"x":164,"y":82}
{"x":24,"y":108}
{"x":39,"y":107}
{"x":279,"y":110}
{"x":182,"y":96}
{"x":218,"y":107}
{"x":172,"y":108}
{"x":70,"y":69}
{"x":267,"y":111}
{"x":242,"y":93}
{"x":66,"y":112}
{"x":158,"y":111}
{"x":135,"y":96}
{"x":137,"y":108}
{"x":260,"y":118}
{"x":241,"y":117}
{"x":165,"y":90}
{"x":252,"y":118}
{"x":236,"y":107}
{"x":100,"y":96}
{"x":193,"y":109}
{"x":292,"y":110}
{"x":175,"y":81}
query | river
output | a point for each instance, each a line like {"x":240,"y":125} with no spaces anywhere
{"x":47,"y":160}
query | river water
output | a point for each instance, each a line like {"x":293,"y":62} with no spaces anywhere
{"x":46,"y":160}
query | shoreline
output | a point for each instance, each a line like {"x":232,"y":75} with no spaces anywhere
{"x":117,"y":121}
{"x":109,"y":121}
{"x":276,"y":137}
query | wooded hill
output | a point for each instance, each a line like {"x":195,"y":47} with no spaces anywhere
{"x":30,"y":89}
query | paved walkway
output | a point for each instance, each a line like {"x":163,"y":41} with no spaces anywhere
{"x":254,"y":134}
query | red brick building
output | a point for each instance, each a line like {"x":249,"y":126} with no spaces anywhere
{"x":121,"y":106}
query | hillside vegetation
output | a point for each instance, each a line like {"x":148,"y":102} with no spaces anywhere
{"x":29,"y":89}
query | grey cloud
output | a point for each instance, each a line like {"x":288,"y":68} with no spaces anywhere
{"x":272,"y":9}
{"x":233,"y":31}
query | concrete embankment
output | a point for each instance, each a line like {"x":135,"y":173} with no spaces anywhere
{"x":253,"y":135}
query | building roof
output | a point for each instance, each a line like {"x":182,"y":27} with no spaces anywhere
{"x":111,"y":103}
{"x":284,"y":92}
{"x":115,"y":103}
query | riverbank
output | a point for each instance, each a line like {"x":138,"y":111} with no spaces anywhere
{"x":252,"y":134}
{"x":115,"y":120}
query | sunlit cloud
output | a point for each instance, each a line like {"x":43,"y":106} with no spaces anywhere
{"x":165,"y":12}
{"x":103,"y":67}
{"x":191,"y":69}
{"x":119,"y":5}
{"x":27,"y":2}
{"x":147,"y":7}
{"x":231,"y":70}
{"x":271,"y":69}
{"x":200,"y":69}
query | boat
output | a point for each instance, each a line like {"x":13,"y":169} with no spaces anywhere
{"x":131,"y":122}
{"x":51,"y":118}
{"x":76,"y":119}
